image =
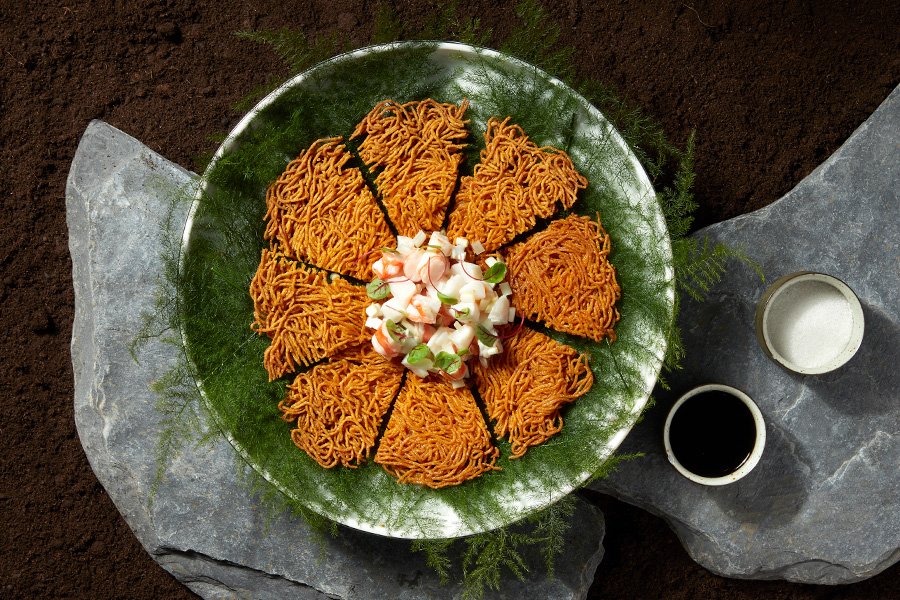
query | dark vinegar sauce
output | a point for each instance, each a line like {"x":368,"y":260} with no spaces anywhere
{"x":712,"y":434}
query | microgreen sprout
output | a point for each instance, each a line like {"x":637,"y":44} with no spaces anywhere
{"x":397,"y":332}
{"x":496,"y":273}
{"x":447,"y":362}
{"x":378,"y":289}
{"x":447,"y":299}
{"x":419,"y":353}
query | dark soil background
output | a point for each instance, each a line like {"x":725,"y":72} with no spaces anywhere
{"x":771,"y":88}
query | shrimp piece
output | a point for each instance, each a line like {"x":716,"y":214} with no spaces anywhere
{"x":444,"y":317}
{"x":421,"y":310}
{"x":388,"y":266}
{"x":432,"y":269}
{"x":384,"y":344}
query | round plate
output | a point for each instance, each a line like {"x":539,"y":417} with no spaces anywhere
{"x":223,"y":239}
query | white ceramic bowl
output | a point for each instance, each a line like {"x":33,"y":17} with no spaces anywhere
{"x":755,"y":454}
{"x":809,"y":323}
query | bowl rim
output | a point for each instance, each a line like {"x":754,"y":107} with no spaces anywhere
{"x":770,"y":299}
{"x":758,"y":447}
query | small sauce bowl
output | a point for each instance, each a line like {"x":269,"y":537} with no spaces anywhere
{"x":809,"y":323}
{"x":717,"y":431}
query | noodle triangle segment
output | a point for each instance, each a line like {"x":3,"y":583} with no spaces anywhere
{"x":515,"y":183}
{"x":338,"y":406}
{"x":307,"y":317}
{"x":562,"y":276}
{"x":322,"y":212}
{"x":526,"y":385}
{"x":416,"y":147}
{"x":436,"y":436}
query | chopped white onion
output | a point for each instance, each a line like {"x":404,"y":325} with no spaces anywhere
{"x":499,"y":311}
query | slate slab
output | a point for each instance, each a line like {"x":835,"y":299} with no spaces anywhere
{"x":203,"y":526}
{"x":823,"y":506}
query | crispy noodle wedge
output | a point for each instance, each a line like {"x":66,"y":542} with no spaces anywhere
{"x":436,"y":436}
{"x":339,"y":405}
{"x":321,"y":211}
{"x":307,"y":317}
{"x":514,"y":183}
{"x":416,"y":147}
{"x":525,"y":386}
{"x":562,"y":276}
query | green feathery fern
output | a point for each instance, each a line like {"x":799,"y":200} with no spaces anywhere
{"x":535,"y":41}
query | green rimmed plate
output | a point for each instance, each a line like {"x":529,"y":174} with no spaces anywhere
{"x":223,"y":238}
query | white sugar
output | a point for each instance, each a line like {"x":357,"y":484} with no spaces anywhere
{"x":810,"y":324}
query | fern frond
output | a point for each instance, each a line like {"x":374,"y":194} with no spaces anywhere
{"x":180,"y":423}
{"x":440,"y":23}
{"x":535,"y":41}
{"x":444,"y":24}
{"x":610,"y":466}
{"x":295,"y":50}
{"x":436,"y":556}
{"x":550,"y":530}
{"x":675,"y":350}
{"x":698,"y":266}
{"x":255,"y":95}
{"x":472,"y":33}
{"x":678,"y":200}
{"x":485,"y":556}
{"x":388,"y":26}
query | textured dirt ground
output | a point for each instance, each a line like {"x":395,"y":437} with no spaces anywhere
{"x":771,"y":89}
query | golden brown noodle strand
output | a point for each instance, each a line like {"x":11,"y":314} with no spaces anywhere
{"x":321,"y":211}
{"x":525,"y":386}
{"x":307,"y":317}
{"x":416,"y":145}
{"x":515,"y":183}
{"x":562,"y":276}
{"x":436,"y":436}
{"x":338,"y":406}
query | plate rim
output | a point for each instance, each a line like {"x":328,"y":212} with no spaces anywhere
{"x":461,"y":527}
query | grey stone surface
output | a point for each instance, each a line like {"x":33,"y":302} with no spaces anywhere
{"x":823,"y":506}
{"x":203,"y":526}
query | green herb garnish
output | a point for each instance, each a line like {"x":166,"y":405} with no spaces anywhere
{"x":484,"y":336}
{"x":397,"y":332}
{"x":418,"y":354}
{"x":378,"y":289}
{"x":448,"y":363}
{"x":496,"y":273}
{"x":445,"y":298}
